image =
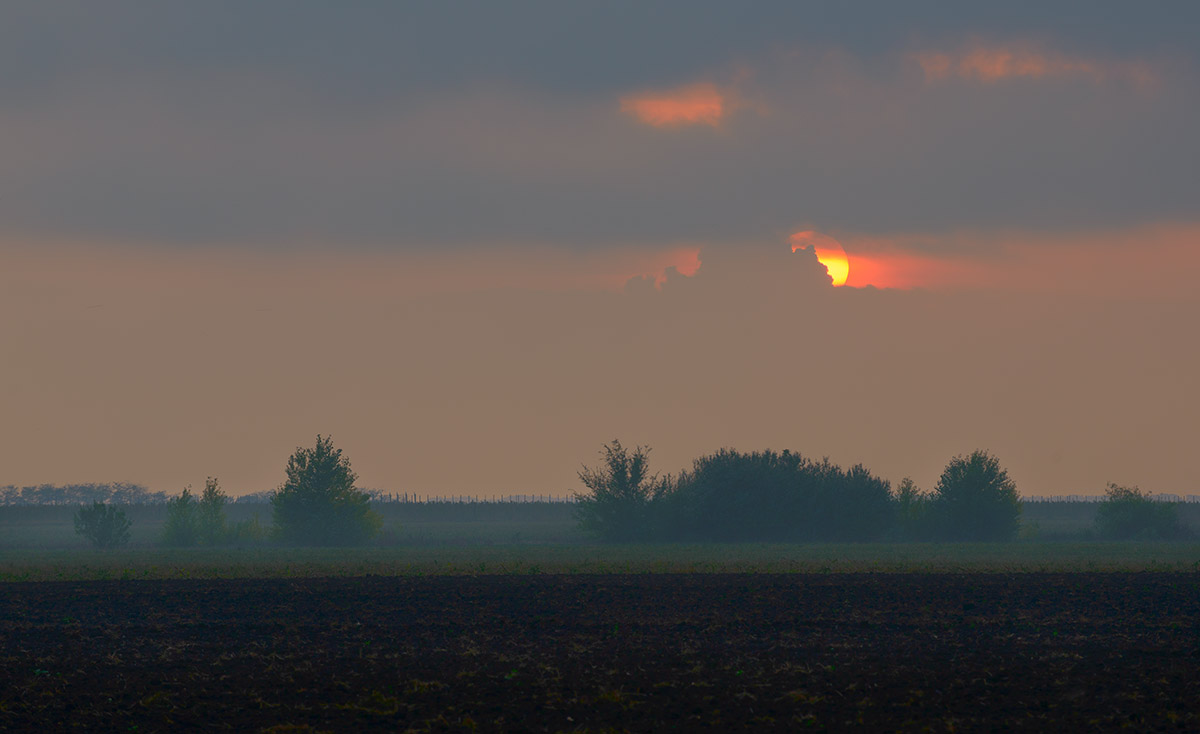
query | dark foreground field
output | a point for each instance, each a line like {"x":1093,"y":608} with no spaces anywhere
{"x":592,"y":653}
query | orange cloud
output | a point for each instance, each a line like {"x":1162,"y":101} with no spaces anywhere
{"x":695,"y":104}
{"x":993,"y":63}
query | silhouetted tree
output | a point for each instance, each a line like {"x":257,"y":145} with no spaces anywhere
{"x":319,"y":504}
{"x":210,"y":514}
{"x":182,"y":525}
{"x":104,"y":525}
{"x":1128,"y":514}
{"x":912,"y":511}
{"x":617,"y":505}
{"x":975,"y":500}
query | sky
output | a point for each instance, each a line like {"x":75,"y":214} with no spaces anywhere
{"x":474,"y":242}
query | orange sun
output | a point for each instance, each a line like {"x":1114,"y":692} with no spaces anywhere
{"x":829,"y":253}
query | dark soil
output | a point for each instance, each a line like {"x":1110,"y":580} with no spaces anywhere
{"x":576,"y":653}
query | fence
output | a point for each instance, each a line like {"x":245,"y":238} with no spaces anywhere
{"x":437,"y":499}
{"x":468,"y":499}
{"x":1162,"y":497}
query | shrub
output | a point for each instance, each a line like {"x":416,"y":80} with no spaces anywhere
{"x":975,"y":500}
{"x":617,"y":505}
{"x":104,"y":525}
{"x":1128,"y":514}
{"x":182,"y":525}
{"x":319,"y":504}
{"x":248,"y":532}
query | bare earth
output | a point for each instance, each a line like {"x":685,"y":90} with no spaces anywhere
{"x":760,"y":652}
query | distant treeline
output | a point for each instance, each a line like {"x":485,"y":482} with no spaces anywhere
{"x":785,"y":497}
{"x":116,"y":493}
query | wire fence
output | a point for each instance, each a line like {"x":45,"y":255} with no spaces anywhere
{"x":438,"y":499}
{"x":1161,"y":497}
{"x":469,"y":499}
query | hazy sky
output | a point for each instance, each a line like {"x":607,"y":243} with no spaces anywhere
{"x":474,"y":242}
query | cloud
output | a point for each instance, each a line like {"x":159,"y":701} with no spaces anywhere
{"x":219,"y":156}
{"x":695,"y":104}
{"x":989,"y":63}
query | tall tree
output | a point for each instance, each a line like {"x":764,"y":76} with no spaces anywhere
{"x":210,"y":513}
{"x":975,"y":500}
{"x":318,"y":504}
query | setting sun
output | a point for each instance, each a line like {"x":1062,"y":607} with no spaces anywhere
{"x":829,"y":252}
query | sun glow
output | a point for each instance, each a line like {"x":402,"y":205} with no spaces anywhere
{"x":829,"y":252}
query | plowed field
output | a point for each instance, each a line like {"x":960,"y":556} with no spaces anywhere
{"x":626,"y":652}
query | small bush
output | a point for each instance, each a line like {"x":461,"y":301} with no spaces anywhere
{"x":105,"y":526}
{"x":248,"y":532}
{"x":1128,"y":514}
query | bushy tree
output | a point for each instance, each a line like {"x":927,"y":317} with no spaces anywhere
{"x":975,"y":500}
{"x":319,"y":504}
{"x":617,"y":505}
{"x":1128,"y":514}
{"x":182,"y":525}
{"x":781,"y":496}
{"x":912,"y":511}
{"x":104,"y":525}
{"x":732,"y":496}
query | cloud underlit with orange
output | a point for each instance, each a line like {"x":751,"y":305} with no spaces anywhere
{"x":991,"y":63}
{"x":695,"y":104}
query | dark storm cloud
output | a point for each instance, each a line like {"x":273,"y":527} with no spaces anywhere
{"x":406,"y":126}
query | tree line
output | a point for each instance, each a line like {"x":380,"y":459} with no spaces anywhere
{"x":786,"y":497}
{"x":727,"y":496}
{"x":120,"y":493}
